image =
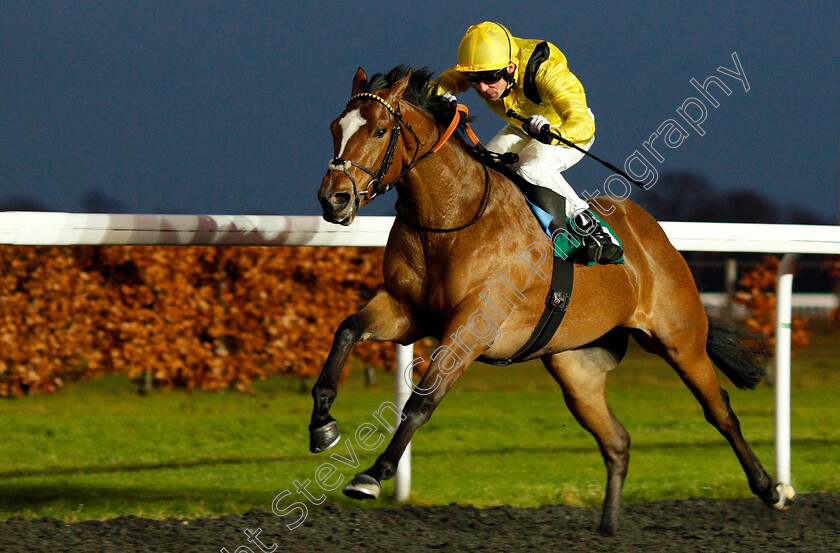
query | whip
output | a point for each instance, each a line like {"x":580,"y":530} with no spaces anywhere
{"x":546,"y":130}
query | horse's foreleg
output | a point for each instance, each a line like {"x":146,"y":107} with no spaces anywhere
{"x":582,"y":375}
{"x":383,"y":318}
{"x":449,"y":361}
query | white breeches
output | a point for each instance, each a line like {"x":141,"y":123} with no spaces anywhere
{"x":541,"y":164}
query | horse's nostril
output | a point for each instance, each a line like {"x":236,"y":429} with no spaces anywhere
{"x":340,"y":199}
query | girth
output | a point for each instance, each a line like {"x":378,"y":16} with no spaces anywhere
{"x":559,"y":293}
{"x":556,"y":303}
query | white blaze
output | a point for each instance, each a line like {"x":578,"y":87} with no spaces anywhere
{"x":349,"y":124}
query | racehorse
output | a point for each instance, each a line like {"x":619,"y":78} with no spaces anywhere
{"x":464,"y":264}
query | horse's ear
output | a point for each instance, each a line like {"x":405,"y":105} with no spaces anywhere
{"x":359,"y":82}
{"x":398,"y":88}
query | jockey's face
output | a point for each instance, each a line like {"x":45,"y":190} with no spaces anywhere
{"x":493,"y":91}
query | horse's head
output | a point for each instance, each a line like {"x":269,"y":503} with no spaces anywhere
{"x":367,"y":150}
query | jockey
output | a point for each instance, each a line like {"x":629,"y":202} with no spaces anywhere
{"x":532,"y":78}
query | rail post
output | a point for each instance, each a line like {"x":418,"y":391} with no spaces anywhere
{"x":784,"y":300}
{"x":402,"y":391}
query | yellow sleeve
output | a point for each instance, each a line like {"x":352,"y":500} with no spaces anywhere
{"x":452,"y":82}
{"x":559,"y":86}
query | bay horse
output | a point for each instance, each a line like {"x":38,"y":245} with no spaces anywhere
{"x":461,"y":265}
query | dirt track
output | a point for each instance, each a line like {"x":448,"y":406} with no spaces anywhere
{"x":742,"y":525}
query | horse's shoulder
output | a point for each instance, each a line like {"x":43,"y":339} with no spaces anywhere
{"x":404,"y":265}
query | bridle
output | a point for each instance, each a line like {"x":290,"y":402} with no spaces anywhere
{"x":375,"y":187}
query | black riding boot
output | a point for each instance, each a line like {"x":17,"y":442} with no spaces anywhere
{"x":597,"y":242}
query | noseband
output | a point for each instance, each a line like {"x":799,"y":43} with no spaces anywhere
{"x":375,"y":187}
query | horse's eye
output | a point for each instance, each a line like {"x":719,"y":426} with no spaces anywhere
{"x":380,"y":132}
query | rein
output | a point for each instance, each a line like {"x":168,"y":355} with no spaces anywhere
{"x":339,"y":164}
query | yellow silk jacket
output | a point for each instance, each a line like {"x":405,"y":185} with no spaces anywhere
{"x":543,"y":85}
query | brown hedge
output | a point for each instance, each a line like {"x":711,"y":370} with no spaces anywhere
{"x":758,"y":293}
{"x":197,"y":317}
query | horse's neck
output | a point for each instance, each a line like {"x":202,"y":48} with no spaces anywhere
{"x":444,"y":190}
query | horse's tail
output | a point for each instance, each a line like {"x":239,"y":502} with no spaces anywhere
{"x":737,"y":352}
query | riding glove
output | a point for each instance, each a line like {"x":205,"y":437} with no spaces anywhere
{"x":538,"y":127}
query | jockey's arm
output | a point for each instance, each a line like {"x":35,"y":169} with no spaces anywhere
{"x":559,"y":86}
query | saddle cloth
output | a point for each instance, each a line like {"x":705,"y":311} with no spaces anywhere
{"x":569,"y":244}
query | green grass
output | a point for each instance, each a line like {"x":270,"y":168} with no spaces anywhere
{"x":503,"y":436}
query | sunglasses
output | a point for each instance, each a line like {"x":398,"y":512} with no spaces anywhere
{"x":488,"y":77}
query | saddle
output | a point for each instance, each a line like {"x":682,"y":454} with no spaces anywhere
{"x":570,"y":240}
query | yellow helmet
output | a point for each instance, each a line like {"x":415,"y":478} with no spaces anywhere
{"x":485,"y":47}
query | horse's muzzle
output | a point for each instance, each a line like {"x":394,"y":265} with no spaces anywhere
{"x":338,"y":207}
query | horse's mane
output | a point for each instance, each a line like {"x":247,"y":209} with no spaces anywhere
{"x":420,"y":92}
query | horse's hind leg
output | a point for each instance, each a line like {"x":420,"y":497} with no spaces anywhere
{"x":382,"y":318}
{"x":582,"y":374}
{"x":686,"y":352}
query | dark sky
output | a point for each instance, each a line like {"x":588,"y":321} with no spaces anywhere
{"x":224,"y":107}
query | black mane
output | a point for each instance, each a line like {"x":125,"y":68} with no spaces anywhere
{"x":420,"y":92}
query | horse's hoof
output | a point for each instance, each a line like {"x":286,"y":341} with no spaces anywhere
{"x":786,"y":496}
{"x":323,"y":438}
{"x":363,"y":487}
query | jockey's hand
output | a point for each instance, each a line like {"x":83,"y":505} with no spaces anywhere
{"x":450,"y":97}
{"x":538,"y":127}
